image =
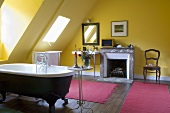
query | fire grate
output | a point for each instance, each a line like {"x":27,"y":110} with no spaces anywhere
{"x":117,"y":72}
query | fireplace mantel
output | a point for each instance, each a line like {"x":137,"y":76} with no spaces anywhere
{"x":117,"y":53}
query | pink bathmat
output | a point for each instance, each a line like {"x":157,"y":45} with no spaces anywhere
{"x":92,"y":91}
{"x":146,"y":97}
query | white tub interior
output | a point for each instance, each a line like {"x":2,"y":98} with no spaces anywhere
{"x":30,"y":69}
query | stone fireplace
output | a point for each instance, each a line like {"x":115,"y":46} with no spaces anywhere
{"x":117,"y":55}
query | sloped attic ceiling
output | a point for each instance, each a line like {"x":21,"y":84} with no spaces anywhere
{"x":76,"y":10}
{"x":15,"y":18}
{"x":1,"y":2}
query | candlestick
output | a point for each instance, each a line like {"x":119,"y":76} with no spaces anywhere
{"x":75,"y":59}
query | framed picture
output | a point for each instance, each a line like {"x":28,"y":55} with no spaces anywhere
{"x":119,"y":28}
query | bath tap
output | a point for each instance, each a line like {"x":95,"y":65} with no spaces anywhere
{"x":41,"y":62}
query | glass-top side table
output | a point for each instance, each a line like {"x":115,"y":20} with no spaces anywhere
{"x":80,"y":101}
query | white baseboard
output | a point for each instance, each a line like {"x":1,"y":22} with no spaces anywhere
{"x":91,"y":73}
{"x":164,"y":78}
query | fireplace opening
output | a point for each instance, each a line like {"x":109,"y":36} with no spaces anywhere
{"x":116,"y":68}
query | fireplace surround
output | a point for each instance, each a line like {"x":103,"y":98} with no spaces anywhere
{"x":117,"y":54}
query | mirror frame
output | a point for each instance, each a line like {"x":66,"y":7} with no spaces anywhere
{"x":97,"y":30}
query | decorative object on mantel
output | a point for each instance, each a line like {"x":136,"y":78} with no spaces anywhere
{"x":130,"y":46}
{"x":108,"y":43}
{"x":119,"y":28}
{"x":118,"y":45}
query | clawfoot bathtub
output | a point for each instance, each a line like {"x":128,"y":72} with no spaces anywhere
{"x":22,"y":79}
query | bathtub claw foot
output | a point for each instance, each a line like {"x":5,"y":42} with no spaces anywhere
{"x":2,"y":92}
{"x":65,"y":101}
{"x":3,"y":96}
{"x":51,"y":100}
{"x":51,"y":108}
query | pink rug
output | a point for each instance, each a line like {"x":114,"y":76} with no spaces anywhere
{"x":92,"y":91}
{"x":147,"y":98}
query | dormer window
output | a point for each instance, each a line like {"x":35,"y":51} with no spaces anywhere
{"x":56,"y":29}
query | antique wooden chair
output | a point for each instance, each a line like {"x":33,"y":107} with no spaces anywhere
{"x":152,"y":58}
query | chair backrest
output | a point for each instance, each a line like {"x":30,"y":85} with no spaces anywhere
{"x":152,"y":56}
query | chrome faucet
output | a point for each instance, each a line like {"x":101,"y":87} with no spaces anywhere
{"x":41,"y":62}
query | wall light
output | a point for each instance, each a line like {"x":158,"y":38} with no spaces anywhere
{"x":88,"y":20}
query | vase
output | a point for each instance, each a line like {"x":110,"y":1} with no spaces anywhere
{"x":86,"y":62}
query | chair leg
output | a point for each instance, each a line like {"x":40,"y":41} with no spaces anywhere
{"x":159,"y":75}
{"x":144,"y":74}
{"x":156,"y":75}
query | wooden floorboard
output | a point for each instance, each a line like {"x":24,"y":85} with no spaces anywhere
{"x":32,"y":105}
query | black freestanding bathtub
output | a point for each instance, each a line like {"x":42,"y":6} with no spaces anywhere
{"x":22,"y":79}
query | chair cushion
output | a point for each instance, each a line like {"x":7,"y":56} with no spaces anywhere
{"x":152,"y":67}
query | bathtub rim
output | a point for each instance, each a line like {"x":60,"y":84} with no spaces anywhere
{"x":68,"y":73}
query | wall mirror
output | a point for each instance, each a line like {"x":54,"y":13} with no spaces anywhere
{"x":90,"y":33}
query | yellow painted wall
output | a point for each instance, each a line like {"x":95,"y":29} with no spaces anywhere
{"x":1,"y":52}
{"x":148,"y":27}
